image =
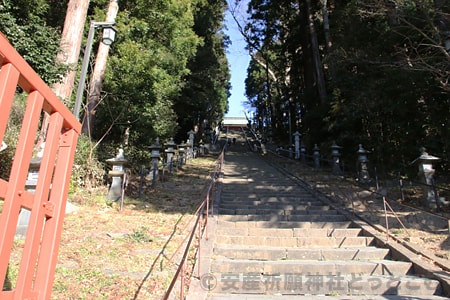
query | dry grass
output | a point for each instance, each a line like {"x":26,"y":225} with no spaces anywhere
{"x":130,"y":254}
{"x":436,"y":243}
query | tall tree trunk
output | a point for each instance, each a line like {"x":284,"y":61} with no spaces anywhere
{"x":313,"y":70}
{"x":71,"y":38}
{"x":328,"y":42}
{"x":96,"y":82}
{"x":70,"y":45}
{"x":320,"y":77}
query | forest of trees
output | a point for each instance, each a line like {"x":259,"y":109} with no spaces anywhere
{"x":369,"y":72}
{"x":355,"y":72}
{"x":166,"y":73}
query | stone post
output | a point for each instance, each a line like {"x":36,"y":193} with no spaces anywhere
{"x":302,"y":152}
{"x":297,"y":137}
{"x":316,"y":156}
{"x":202,"y":148}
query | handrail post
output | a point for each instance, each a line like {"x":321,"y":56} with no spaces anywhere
{"x":207,"y":215}
{"x":182,"y":274}
{"x":199,"y":250}
{"x":386,"y":218}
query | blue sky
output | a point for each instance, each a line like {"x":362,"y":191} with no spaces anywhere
{"x":238,"y":60}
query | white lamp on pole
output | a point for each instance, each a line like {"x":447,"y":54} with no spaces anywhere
{"x":109,"y":34}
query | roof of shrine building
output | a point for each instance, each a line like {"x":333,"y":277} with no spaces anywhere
{"x":235,"y":121}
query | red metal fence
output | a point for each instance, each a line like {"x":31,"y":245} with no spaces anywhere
{"x":47,"y":203}
{"x":203,"y":212}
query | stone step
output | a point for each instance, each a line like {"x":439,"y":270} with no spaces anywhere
{"x":300,"y":242}
{"x":284,"y":224}
{"x":300,"y":284}
{"x":257,"y":202}
{"x":267,"y":188}
{"x":253,"y":181}
{"x":320,"y":254}
{"x":294,"y":199}
{"x":268,"y":211}
{"x":333,"y":296}
{"x":277,"y":218}
{"x":285,"y":206}
{"x":286,"y":195}
{"x":323,"y":268}
{"x":290,"y":232}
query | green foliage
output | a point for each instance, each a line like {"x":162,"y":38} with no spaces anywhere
{"x":163,"y":49}
{"x":203,"y":99}
{"x":387,"y":74}
{"x":27,"y":31}
{"x":140,"y":235}
{"x":87,"y":172}
{"x":382,"y":94}
{"x":145,"y":71}
{"x":12,"y":136}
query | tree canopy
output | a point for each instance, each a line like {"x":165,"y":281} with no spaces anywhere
{"x":353,"y":72}
{"x":166,"y":73}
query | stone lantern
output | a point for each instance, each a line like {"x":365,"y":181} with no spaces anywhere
{"x":117,"y":173}
{"x":202,"y":147}
{"x":155,"y":155}
{"x":363,"y":169}
{"x":181,"y":153}
{"x":33,"y":174}
{"x":335,"y":156}
{"x":191,"y":136}
{"x":426,"y":172}
{"x":170,"y":152}
{"x":190,"y":142}
{"x":297,"y":137}
{"x":30,"y":186}
{"x":188,"y":151}
{"x":316,"y":156}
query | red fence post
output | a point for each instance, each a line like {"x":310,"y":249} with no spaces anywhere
{"x":47,"y":204}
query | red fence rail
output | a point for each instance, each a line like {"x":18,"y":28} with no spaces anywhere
{"x":202,"y":213}
{"x":47,"y":204}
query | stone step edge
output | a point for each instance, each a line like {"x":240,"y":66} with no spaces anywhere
{"x":292,"y":224}
{"x":301,"y":242}
{"x":322,"y":266}
{"x":289,"y":232}
{"x":232,"y":252}
{"x":272,"y":212}
{"x":286,"y":218}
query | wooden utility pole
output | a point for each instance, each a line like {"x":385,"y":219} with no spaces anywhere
{"x":96,"y":82}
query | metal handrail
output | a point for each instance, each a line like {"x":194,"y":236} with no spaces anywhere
{"x":202,"y":210}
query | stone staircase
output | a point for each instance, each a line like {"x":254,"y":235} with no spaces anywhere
{"x":273,"y":239}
